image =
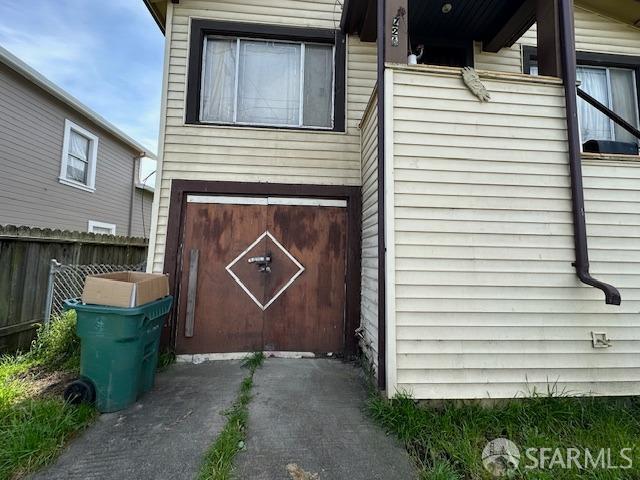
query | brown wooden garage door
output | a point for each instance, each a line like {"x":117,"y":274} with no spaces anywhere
{"x":262,"y":274}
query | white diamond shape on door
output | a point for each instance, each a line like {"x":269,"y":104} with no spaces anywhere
{"x":254,"y":296}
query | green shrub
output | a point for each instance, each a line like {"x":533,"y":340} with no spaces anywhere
{"x":57,"y":347}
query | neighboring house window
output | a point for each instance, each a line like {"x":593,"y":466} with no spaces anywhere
{"x":254,"y":79}
{"x":102,"y":228}
{"x":613,"y":81}
{"x":79,"y":157}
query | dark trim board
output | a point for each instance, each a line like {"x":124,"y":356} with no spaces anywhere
{"x":382,"y":247}
{"x":173,"y":254}
{"x":201,"y":28}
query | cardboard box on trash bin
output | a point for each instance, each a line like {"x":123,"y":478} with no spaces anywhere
{"x":125,"y":289}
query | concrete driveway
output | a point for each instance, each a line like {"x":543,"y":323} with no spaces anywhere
{"x":309,"y":413}
{"x":163,"y":436}
{"x":305,"y":415}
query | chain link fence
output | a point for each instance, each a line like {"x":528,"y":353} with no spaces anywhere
{"x":67,"y":281}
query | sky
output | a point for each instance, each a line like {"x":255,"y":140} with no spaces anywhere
{"x":107,"y":54}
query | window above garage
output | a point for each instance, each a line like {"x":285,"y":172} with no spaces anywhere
{"x":265,"y":76}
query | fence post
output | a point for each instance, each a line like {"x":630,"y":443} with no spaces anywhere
{"x":53,"y":269}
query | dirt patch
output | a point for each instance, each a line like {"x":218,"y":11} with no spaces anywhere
{"x":298,"y":473}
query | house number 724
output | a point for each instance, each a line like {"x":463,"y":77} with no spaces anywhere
{"x":395,"y":31}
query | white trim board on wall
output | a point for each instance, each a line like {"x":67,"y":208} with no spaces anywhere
{"x":390,"y":238}
{"x":155,"y":206}
{"x":226,"y":200}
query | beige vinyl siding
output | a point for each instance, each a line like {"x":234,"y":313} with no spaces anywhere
{"x":487,"y":302}
{"x":369,"y":297}
{"x":259,"y":155}
{"x":32,"y":126}
{"x":507,"y":60}
{"x":594,"y":33}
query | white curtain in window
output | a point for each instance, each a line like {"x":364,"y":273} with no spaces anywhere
{"x":218,"y":85}
{"x":79,"y":146}
{"x":318,"y":85}
{"x":78,"y":157}
{"x":593,"y":124}
{"x":624,"y":101}
{"x":269,"y":83}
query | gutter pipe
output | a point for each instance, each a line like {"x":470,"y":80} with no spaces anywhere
{"x":612,"y":295}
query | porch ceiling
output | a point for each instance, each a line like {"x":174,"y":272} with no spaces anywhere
{"x":498,"y":23}
{"x":468,"y":19}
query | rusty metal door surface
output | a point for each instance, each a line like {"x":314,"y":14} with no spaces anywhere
{"x":262,"y":274}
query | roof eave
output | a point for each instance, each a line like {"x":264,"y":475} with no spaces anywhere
{"x":156,"y":13}
{"x":625,"y":11}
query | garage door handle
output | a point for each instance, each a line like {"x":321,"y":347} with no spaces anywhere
{"x":260,"y":260}
{"x":264,"y":263}
{"x":191,"y":292}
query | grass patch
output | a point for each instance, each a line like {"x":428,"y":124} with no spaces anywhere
{"x":218,"y":462}
{"x":447,"y":442}
{"x":165,"y":360}
{"x":34,"y":426}
{"x":56,"y":346}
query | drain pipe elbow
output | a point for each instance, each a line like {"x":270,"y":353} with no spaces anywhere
{"x":612,"y":295}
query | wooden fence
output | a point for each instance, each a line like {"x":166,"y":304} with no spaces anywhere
{"x":25,"y":257}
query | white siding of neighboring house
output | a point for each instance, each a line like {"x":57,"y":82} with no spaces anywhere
{"x":594,"y":33}
{"x":487,"y":301}
{"x":369,"y":298}
{"x":250,"y":154}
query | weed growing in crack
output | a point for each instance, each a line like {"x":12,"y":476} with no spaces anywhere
{"x":218,"y":462}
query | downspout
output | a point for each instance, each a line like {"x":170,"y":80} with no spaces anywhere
{"x":567,"y":33}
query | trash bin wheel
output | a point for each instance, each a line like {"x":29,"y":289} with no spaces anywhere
{"x":79,"y":391}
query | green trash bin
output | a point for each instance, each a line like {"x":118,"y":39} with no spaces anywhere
{"x":118,"y":352}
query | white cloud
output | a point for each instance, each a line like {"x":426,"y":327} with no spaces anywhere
{"x":46,"y":52}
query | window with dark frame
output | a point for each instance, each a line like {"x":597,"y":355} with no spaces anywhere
{"x":265,"y":76}
{"x":613,"y":80}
